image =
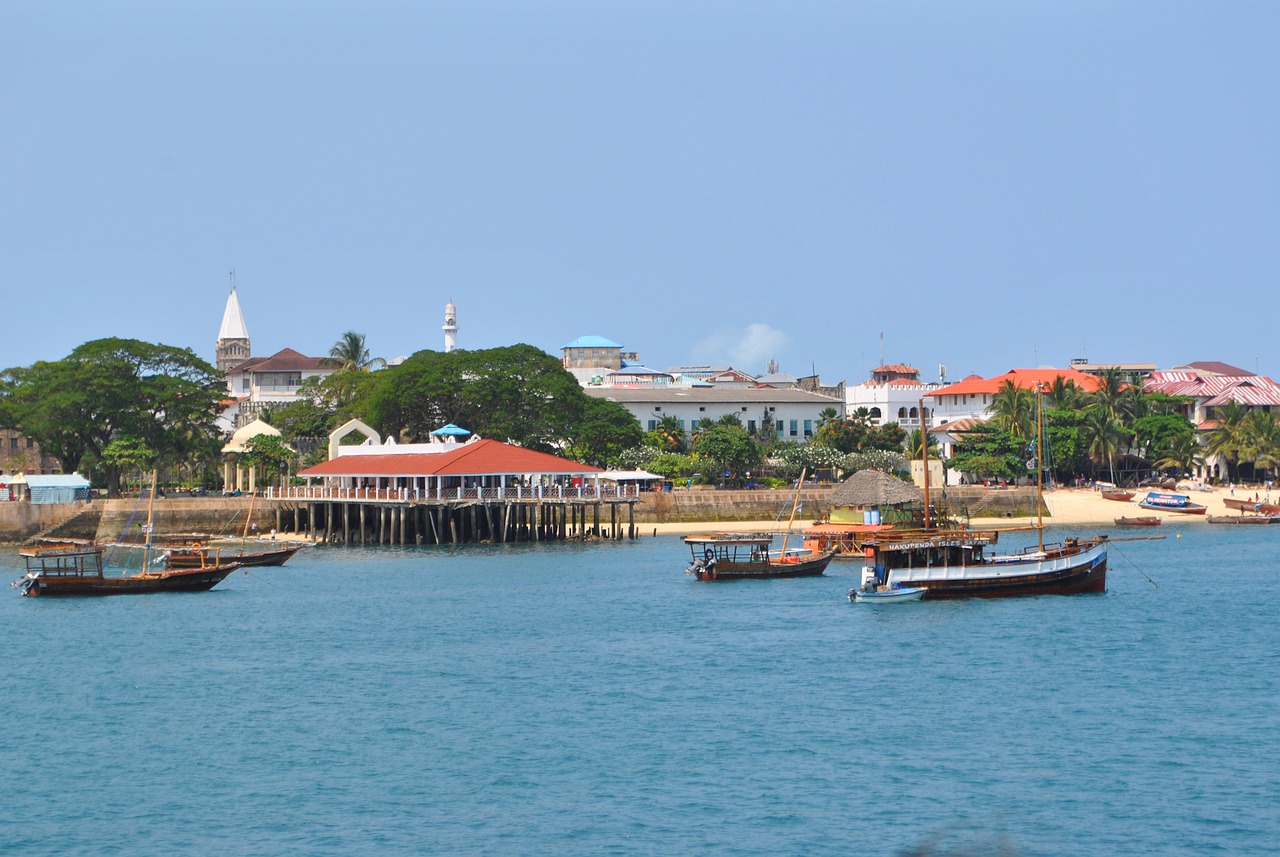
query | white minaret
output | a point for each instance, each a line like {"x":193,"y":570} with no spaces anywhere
{"x":232,"y":347}
{"x":450,"y":327}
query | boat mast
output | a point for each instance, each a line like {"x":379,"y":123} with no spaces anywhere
{"x":151,"y":508}
{"x":1039,"y":467}
{"x":792,"y":519}
{"x":924,"y":455}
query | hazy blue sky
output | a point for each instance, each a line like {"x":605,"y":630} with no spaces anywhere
{"x":991,"y":184}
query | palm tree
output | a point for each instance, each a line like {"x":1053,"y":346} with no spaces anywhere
{"x":1227,"y":439}
{"x":1064,"y":395}
{"x":914,"y":451}
{"x":349,"y":354}
{"x":1103,"y":436}
{"x":827,"y":415}
{"x":1184,"y":455}
{"x":1111,"y":392}
{"x":1261,"y":442}
{"x":672,"y":434}
{"x":1013,"y":409}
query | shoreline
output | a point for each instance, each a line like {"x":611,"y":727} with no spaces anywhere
{"x":1072,"y":507}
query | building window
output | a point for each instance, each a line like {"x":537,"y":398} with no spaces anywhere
{"x":779,"y":427}
{"x":682,"y":425}
{"x":808,"y":428}
{"x":875,"y":413}
{"x":701,"y":408}
{"x":902,"y":413}
{"x":751,"y":426}
{"x":653,"y":424}
{"x":657,"y":410}
{"x":795,"y":428}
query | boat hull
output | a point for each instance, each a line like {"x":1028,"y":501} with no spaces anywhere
{"x":724,"y":570}
{"x":1188,"y":509}
{"x":1075,"y":574}
{"x":185,"y":580}
{"x":893,"y":596}
{"x":1144,"y":521}
{"x":197,"y":558}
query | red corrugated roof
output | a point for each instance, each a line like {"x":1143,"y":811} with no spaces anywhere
{"x":897,"y":367}
{"x":477,"y":458}
{"x":1251,"y":390}
{"x":1023,"y":378}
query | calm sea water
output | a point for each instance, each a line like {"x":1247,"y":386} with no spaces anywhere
{"x":573,"y":699}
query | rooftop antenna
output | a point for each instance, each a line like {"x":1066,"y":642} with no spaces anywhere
{"x":882,"y":348}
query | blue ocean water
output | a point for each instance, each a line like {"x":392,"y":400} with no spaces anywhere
{"x":592,"y":699}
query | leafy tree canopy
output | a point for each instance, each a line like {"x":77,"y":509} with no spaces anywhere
{"x":162,"y":397}
{"x":517,"y":394}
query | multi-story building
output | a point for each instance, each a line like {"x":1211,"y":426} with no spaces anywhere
{"x":793,"y":415}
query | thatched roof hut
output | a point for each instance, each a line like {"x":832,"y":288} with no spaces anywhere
{"x":873,"y":488}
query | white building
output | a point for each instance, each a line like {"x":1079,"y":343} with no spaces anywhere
{"x":891,"y":395}
{"x":792,"y":414}
{"x":257,"y":382}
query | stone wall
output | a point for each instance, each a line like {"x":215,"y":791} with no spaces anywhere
{"x":711,"y":505}
{"x":20,"y":521}
{"x":215,"y":516}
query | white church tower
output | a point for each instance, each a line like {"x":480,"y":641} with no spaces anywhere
{"x":232,"y":347}
{"x":450,"y":327}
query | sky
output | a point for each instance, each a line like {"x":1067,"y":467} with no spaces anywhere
{"x":978,"y":185}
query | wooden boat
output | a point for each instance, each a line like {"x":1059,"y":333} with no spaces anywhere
{"x":198,"y":555}
{"x":75,"y":568}
{"x":1246,"y":505}
{"x":1139,"y":521}
{"x":1123,"y":496}
{"x":1179,"y":503}
{"x":886,"y":595}
{"x":1240,"y":519}
{"x":953,"y":563}
{"x":743,"y":556}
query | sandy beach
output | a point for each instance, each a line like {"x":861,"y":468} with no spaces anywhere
{"x":1067,"y":506}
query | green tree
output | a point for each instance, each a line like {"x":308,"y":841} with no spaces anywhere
{"x":270,"y":455}
{"x":108,"y":389}
{"x":1013,"y":409}
{"x":516,"y":394}
{"x":350,"y":354}
{"x":129,"y":455}
{"x":728,"y":448}
{"x":989,"y":452}
{"x":604,"y":432}
{"x":1228,"y":439}
{"x":1103,"y":436}
{"x":1184,"y":454}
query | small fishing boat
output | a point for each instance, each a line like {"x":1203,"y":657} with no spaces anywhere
{"x":198,"y":555}
{"x":1247,"y":505}
{"x":886,"y":595}
{"x":1139,"y":521}
{"x":70,"y":567}
{"x":742,"y":556}
{"x":1179,"y":503}
{"x":76,"y":569}
{"x":1122,"y":496}
{"x":1240,"y":519}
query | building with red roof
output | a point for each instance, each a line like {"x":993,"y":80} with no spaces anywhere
{"x":446,"y":469}
{"x":971,"y":397}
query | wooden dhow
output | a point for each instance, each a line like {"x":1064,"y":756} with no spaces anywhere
{"x":76,"y":568}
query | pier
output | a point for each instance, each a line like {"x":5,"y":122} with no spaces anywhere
{"x":382,"y":516}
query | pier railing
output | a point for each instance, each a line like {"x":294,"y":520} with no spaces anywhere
{"x":516,"y":493}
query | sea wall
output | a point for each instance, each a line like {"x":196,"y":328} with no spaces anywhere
{"x":978,"y":501}
{"x":20,"y":521}
{"x":217,"y":516}
{"x":696,"y":504}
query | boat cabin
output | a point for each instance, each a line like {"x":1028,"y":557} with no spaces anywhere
{"x":63,"y":559}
